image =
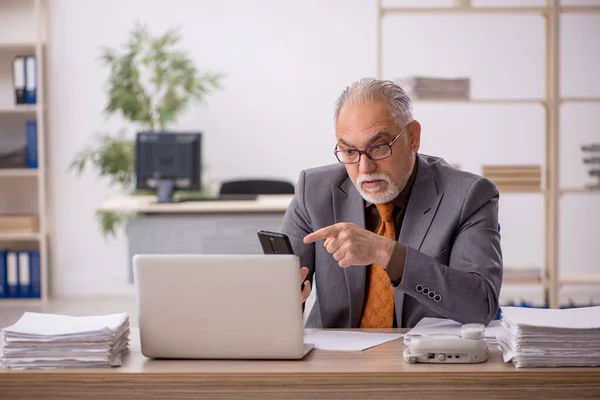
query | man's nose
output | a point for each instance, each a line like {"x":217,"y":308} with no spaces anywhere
{"x":366,"y":165}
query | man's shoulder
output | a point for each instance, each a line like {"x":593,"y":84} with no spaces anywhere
{"x":453,"y":179}
{"x":326,"y":175}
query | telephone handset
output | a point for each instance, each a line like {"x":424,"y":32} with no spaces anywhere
{"x":468,"y":348}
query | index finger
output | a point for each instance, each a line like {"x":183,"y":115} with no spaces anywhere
{"x":323,"y":233}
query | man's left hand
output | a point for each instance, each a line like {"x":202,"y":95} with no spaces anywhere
{"x":352,"y":245}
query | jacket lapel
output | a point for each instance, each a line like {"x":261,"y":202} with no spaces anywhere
{"x":422,"y":207}
{"x":349,"y":206}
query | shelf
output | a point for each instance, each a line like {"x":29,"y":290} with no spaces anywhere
{"x":489,"y":10}
{"x":580,"y":100}
{"x":520,"y":191}
{"x":524,"y":275}
{"x":465,"y":10}
{"x":548,"y":276}
{"x":481,"y":101}
{"x":508,"y":101}
{"x":580,"y":10}
{"x":580,"y":280}
{"x":578,"y":190}
{"x":27,"y":36}
{"x":25,"y":46}
{"x":19,"y":237}
{"x":517,"y":280}
{"x":19,"y":172}
{"x":19,"y":302}
{"x":19,"y":109}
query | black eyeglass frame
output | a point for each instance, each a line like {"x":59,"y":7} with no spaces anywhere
{"x":368,"y":149}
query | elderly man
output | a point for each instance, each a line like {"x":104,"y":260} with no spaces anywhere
{"x":389,"y":235}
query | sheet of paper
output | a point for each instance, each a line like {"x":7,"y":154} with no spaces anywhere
{"x":570,"y":318}
{"x":348,"y":340}
{"x":508,"y":352}
{"x":55,"y":325}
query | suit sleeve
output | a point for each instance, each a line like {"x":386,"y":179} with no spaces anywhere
{"x":467,"y":289}
{"x":296,"y":224}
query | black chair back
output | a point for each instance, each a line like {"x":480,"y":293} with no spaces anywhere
{"x":256,"y":187}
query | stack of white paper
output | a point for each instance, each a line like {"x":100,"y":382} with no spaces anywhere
{"x":533,"y":337}
{"x":44,"y":341}
{"x":446,"y":327}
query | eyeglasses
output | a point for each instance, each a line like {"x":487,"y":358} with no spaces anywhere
{"x":375,"y":153}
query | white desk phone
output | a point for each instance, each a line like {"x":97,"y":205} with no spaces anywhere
{"x":468,"y":348}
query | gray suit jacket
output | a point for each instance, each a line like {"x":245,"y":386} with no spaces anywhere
{"x":453,"y":265}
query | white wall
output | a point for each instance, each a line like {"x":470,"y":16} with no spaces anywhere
{"x":286,"y":62}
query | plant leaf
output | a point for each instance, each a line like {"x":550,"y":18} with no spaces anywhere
{"x":113,"y":158}
{"x":110,"y":221}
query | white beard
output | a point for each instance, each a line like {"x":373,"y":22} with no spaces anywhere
{"x":390,"y":193}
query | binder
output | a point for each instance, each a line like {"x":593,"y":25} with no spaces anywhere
{"x":30,"y":80}
{"x":20,"y":274}
{"x":31,"y":143}
{"x":3,"y":283}
{"x":12,"y":275}
{"x":35,"y":275}
{"x":19,"y":79}
{"x":24,"y":280}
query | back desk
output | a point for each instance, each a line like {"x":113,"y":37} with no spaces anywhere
{"x":377,"y":373}
{"x":197,"y":227}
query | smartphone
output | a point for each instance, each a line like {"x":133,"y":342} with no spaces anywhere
{"x":275,"y":242}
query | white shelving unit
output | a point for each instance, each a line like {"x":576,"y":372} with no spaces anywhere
{"x":23,"y":31}
{"x":552,"y":102}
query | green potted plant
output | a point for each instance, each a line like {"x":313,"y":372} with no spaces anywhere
{"x":151,"y":83}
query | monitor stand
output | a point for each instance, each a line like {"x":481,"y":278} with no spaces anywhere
{"x":164,"y":190}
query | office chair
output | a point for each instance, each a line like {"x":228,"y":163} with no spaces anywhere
{"x":255,"y":187}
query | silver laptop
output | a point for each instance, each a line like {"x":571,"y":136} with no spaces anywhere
{"x":220,"y":306}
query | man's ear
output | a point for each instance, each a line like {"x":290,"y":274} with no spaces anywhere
{"x":415,"y":135}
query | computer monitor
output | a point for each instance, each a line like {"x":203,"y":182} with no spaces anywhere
{"x":166,"y":162}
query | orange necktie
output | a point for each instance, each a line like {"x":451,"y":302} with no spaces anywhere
{"x":379,"y":301}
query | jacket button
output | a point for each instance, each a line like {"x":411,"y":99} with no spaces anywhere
{"x":425,"y":290}
{"x":437,"y":298}
{"x":432,"y":294}
{"x":419,"y":288}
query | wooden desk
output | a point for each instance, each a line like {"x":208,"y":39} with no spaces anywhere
{"x":193,"y":227}
{"x":148,"y":205}
{"x":377,"y":373}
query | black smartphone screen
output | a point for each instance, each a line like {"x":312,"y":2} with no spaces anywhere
{"x":275,"y":242}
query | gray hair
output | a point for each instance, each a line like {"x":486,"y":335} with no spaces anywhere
{"x":370,"y":89}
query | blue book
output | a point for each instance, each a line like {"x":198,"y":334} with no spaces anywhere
{"x":3,"y":283}
{"x":35,"y":275}
{"x":30,"y":80}
{"x":31,"y":140}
